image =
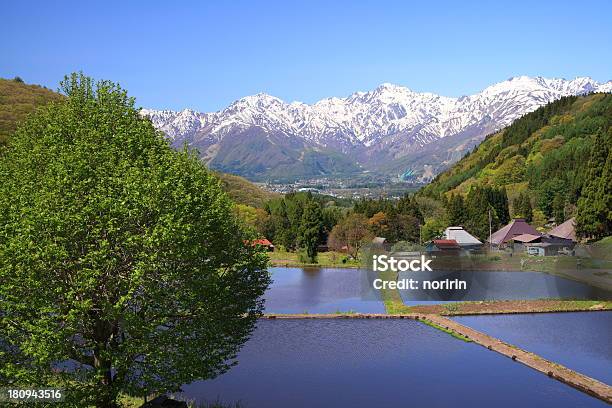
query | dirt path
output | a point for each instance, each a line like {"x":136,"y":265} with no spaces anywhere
{"x":512,"y":306}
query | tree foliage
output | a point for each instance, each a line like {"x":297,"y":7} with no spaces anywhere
{"x":118,"y":255}
{"x":595,"y":205}
{"x":556,"y":154}
{"x":351,"y":234}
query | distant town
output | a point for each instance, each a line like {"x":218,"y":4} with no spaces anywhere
{"x":345,"y":188}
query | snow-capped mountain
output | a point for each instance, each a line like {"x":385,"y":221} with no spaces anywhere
{"x":388,"y":129}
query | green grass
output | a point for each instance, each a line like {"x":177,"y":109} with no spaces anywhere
{"x":447,"y":331}
{"x":324,"y":259}
{"x":394,"y":304}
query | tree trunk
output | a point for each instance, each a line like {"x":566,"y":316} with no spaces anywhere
{"x":106,"y":395}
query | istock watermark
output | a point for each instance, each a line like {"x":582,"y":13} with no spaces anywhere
{"x":384,"y":263}
{"x":420,"y":280}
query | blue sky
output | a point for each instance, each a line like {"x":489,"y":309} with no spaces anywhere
{"x":205,"y":54}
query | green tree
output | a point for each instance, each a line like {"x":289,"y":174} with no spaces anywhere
{"x":594,"y":212}
{"x":498,"y":199}
{"x":549,"y":191}
{"x":522,"y":207}
{"x":409,"y":206}
{"x":433,"y":228}
{"x":117,"y":253}
{"x":310,"y":229}
{"x":478,"y":210}
{"x":403,"y":227}
{"x":558,"y":208}
{"x":456,"y":210}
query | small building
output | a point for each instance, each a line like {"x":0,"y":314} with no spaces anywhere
{"x":566,"y":230}
{"x":444,"y":246}
{"x":544,"y":245}
{"x":519,"y":242}
{"x":463,"y":238}
{"x":264,"y":243}
{"x":518,"y":226}
{"x":544,"y":248}
{"x":380,"y":243}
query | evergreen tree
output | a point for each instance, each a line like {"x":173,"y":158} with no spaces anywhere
{"x":478,"y":210}
{"x":408,"y":206}
{"x":558,"y":208}
{"x":499,"y":200}
{"x":456,"y":210}
{"x":522,"y":207}
{"x":310,"y":229}
{"x":594,"y":212}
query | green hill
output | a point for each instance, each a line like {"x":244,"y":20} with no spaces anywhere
{"x":243,"y":191}
{"x":17,"y":100}
{"x":559,"y":156}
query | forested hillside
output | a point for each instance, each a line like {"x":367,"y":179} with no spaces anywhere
{"x":553,"y":162}
{"x":17,"y":100}
{"x":242,"y":191}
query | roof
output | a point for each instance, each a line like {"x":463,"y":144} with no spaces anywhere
{"x":461,"y":236}
{"x":261,"y":241}
{"x":517,"y":226}
{"x":526,"y":238}
{"x":446,"y":243}
{"x":565,"y":230}
{"x":379,"y":240}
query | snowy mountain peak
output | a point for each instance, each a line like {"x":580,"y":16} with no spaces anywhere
{"x":390,"y":120}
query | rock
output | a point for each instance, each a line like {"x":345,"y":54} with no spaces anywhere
{"x":164,"y":402}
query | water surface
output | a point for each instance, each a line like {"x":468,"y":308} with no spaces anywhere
{"x":581,"y":341}
{"x":501,"y":285}
{"x":377,"y":363}
{"x":321,"y":290}
{"x":331,"y":290}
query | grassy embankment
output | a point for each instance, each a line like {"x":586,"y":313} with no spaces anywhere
{"x":325,"y":259}
{"x":127,"y":401}
{"x":513,"y":306}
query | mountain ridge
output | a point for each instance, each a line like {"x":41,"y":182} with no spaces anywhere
{"x":554,"y":162}
{"x":387,"y":125}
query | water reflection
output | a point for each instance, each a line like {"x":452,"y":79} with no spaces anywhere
{"x":377,"y":363}
{"x":581,"y":341}
{"x":321,"y":290}
{"x":501,"y":285}
{"x":329,"y":290}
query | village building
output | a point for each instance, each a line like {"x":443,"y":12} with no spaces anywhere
{"x":520,"y":241}
{"x":264,"y":243}
{"x":560,"y":240}
{"x":566,"y":230}
{"x":463,"y":238}
{"x":549,"y":247}
{"x":381,"y":243}
{"x":503,"y":237}
{"x":444,"y":247}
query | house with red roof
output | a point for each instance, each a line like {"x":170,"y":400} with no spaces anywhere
{"x":444,"y":246}
{"x":264,"y":243}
